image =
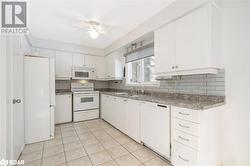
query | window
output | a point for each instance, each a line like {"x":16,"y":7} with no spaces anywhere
{"x":140,"y":68}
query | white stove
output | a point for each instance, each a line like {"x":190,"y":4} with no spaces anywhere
{"x":85,"y":100}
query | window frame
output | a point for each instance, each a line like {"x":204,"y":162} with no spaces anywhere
{"x":147,"y":84}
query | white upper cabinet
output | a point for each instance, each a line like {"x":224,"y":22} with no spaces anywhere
{"x":63,"y":64}
{"x":99,"y":67}
{"x":89,"y":60}
{"x":114,"y":64}
{"x":78,"y":60}
{"x":189,"y":45}
{"x":165,"y":49}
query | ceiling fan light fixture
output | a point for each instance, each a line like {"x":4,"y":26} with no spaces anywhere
{"x":93,"y":34}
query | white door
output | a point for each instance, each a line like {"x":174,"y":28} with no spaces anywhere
{"x":133,"y":119}
{"x":63,"y":110}
{"x":164,"y":39}
{"x":78,"y":60}
{"x":191,"y":40}
{"x":37,"y":99}
{"x":18,"y":111}
{"x":63,"y":64}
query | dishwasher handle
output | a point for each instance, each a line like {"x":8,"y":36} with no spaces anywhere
{"x":163,"y":106}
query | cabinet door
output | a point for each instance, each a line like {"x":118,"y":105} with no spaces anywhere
{"x":63,"y":64}
{"x":78,"y":60}
{"x":104,"y":107}
{"x":191,"y":40}
{"x":164,"y":39}
{"x":100,"y":67}
{"x":114,"y":64}
{"x":89,"y":61}
{"x":121,"y":110}
{"x":133,"y":119}
{"x":155,"y":127}
{"x":63,"y":110}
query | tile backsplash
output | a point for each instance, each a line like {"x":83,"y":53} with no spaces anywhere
{"x":62,"y":84}
{"x":203,"y":84}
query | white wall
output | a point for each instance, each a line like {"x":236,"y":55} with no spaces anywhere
{"x":236,"y":58}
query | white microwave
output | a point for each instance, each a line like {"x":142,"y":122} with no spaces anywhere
{"x":83,"y":73}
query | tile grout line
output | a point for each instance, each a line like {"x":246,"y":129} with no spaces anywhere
{"x":82,"y":144}
{"x":113,"y":159}
{"x":63,"y":147}
{"x":122,"y":144}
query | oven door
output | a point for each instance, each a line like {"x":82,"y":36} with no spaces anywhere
{"x":82,"y":102}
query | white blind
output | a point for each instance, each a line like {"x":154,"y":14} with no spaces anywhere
{"x":141,"y":53}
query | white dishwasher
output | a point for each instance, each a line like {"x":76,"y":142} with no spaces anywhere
{"x":63,"y":109}
{"x":155,"y":127}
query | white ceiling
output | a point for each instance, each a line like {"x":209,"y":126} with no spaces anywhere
{"x":60,"y":20}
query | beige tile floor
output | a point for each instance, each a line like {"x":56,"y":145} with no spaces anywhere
{"x":89,"y":143}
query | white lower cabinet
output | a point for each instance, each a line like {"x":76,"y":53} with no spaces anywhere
{"x":122,"y":113}
{"x":195,"y":136}
{"x":155,"y":127}
{"x":133,"y":119}
{"x":63,"y":110}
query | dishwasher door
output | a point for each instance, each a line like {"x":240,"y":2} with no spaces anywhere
{"x":155,"y":127}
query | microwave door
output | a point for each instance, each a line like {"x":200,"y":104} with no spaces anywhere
{"x":81,"y":74}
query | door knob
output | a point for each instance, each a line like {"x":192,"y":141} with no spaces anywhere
{"x":16,"y":101}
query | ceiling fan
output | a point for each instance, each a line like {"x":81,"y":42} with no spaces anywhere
{"x":94,"y":28}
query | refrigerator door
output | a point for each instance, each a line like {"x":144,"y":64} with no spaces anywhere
{"x":37,"y":99}
{"x":52,"y":95}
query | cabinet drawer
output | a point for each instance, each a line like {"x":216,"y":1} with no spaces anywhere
{"x":185,"y":139}
{"x":185,"y":114}
{"x":185,"y":126}
{"x":183,"y":155}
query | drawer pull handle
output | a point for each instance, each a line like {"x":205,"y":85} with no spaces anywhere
{"x":183,"y":126}
{"x":183,"y":158}
{"x":184,"y":113}
{"x":184,"y":139}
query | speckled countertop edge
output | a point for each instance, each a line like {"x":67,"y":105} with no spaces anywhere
{"x":184,"y":103}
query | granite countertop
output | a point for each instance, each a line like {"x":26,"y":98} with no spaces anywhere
{"x":196,"y":102}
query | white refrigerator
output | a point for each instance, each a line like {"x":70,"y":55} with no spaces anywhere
{"x":39,"y":98}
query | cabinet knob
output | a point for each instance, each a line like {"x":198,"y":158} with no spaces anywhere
{"x":176,"y":67}
{"x":172,"y":67}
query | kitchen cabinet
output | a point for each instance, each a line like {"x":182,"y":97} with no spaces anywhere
{"x":78,"y":60}
{"x":63,"y":64}
{"x":106,"y":107}
{"x":122,"y":113}
{"x":99,"y":68}
{"x":89,"y":60}
{"x":190,"y":44}
{"x":133,"y":119}
{"x":195,"y":136}
{"x":155,"y":127}
{"x":165,"y":49}
{"x":63,"y":109}
{"x":114,"y":64}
